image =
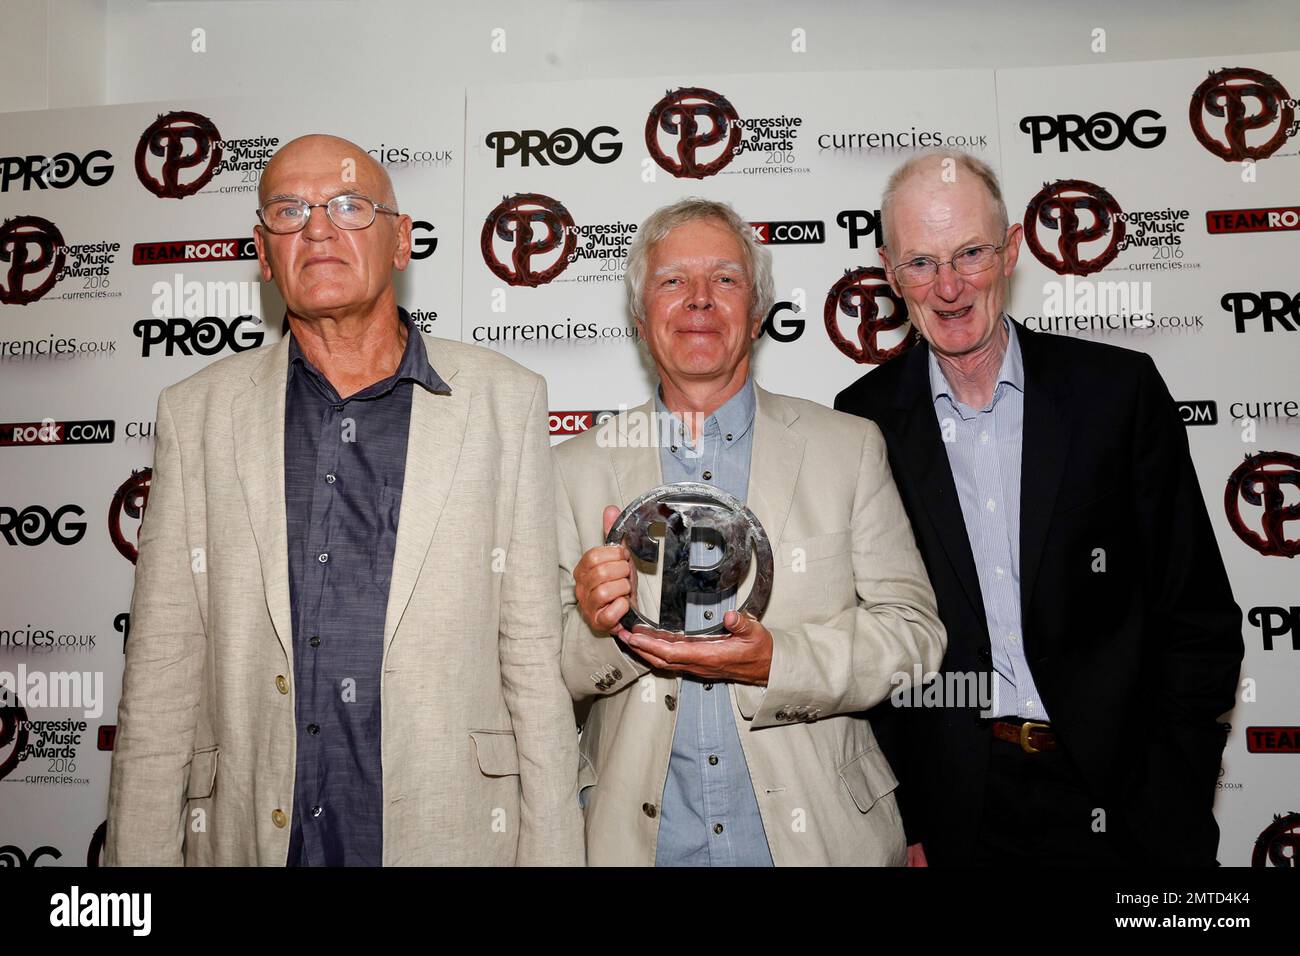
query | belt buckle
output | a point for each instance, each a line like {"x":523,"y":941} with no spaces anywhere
{"x":1025,"y":730}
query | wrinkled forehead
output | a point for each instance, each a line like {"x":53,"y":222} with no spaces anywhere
{"x":926,"y":206}
{"x":319,"y":173}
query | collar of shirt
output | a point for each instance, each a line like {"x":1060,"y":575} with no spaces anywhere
{"x":732,"y":420}
{"x":413,"y":367}
{"x":1011,"y":374}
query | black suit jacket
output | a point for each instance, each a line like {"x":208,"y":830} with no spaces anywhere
{"x":1128,"y":620}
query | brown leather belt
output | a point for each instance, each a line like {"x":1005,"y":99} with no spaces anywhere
{"x":1032,"y":736}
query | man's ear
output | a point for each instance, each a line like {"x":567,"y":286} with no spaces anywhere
{"x":402,"y":254}
{"x":1014,"y":236}
{"x":259,"y":241}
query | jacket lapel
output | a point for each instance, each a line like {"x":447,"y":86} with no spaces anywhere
{"x":921,"y":447}
{"x":1045,"y":445}
{"x":258,"y":419}
{"x":433,"y":446}
{"x":774,"y":463}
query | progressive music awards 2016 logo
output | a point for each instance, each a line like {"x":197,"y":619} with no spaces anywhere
{"x":1075,"y":227}
{"x":530,"y":239}
{"x":694,"y":133}
{"x":857,"y":296}
{"x":35,"y":258}
{"x":180,"y":153}
{"x":1279,"y":843}
{"x":1242,"y":114}
{"x":1261,"y":481}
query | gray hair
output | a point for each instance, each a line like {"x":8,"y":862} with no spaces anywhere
{"x":758,"y":260}
{"x":971,"y":164}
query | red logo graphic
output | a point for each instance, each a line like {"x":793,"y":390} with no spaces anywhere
{"x":184,"y":141}
{"x":513,"y":221}
{"x":131,"y":497}
{"x":679,"y":114}
{"x":1261,"y":480}
{"x":1223,"y":95}
{"x":857,"y":295}
{"x":192,"y":250}
{"x":17,"y":235}
{"x":1057,"y":207}
{"x":1273,"y":740}
{"x":1274,"y":219}
{"x":106,"y":737}
{"x":95,"y":852}
{"x":1279,"y":844}
{"x":575,"y":423}
{"x":13,"y":731}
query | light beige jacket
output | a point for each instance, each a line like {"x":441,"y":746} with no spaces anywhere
{"x":851,"y":606}
{"x":479,"y":747}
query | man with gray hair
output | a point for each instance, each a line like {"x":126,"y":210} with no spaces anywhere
{"x":751,"y":749}
{"x":1062,"y":523}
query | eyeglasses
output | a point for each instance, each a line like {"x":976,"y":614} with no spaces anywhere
{"x":282,"y":216}
{"x":969,"y":261}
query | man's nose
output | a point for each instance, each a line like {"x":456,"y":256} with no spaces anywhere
{"x":319,"y":226}
{"x":948,"y":282}
{"x":699,"y":295}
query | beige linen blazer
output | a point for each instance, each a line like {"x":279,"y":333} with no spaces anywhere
{"x":479,"y":747}
{"x":851,"y":607}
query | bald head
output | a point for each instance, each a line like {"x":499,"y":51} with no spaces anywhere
{"x":939,"y":172}
{"x":332,"y":165}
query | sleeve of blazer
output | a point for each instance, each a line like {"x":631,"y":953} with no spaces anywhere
{"x":550,"y":832}
{"x":594,"y":663}
{"x":164,"y":672}
{"x":1199,"y":623}
{"x":847,"y":663}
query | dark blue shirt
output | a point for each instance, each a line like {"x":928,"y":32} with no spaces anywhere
{"x":344,"y":465}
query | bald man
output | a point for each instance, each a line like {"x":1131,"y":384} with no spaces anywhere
{"x":345,"y":627}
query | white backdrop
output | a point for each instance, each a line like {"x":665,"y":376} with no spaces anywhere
{"x":824,"y":144}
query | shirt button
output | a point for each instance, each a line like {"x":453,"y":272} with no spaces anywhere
{"x":1011,"y":637}
{"x":709,"y":546}
{"x":990,"y":505}
{"x":278,"y":818}
{"x":315,"y":640}
{"x":670,"y":702}
{"x":708,"y":615}
{"x":999,"y":571}
{"x":673,"y":449}
{"x":984,"y":438}
{"x":649,"y":809}
{"x":330,"y":479}
{"x":708,"y":476}
{"x":713,"y":760}
{"x":1029,"y":704}
{"x":728,"y":436}
{"x":708,"y":687}
{"x":313,"y":729}
{"x":323,"y":557}
{"x":717,"y":828}
{"x":317,"y":811}
{"x":281,"y":683}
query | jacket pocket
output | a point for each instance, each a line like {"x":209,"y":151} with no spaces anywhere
{"x":868,"y":777}
{"x":203,"y":773}
{"x":496,"y":751}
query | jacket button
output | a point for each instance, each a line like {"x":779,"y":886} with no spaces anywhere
{"x":782,"y":715}
{"x":670,"y":702}
{"x":618,"y":674}
{"x":649,"y":809}
{"x":281,"y":683}
{"x":278,"y":818}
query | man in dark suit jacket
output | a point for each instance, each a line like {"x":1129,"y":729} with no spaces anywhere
{"x":1053,"y":497}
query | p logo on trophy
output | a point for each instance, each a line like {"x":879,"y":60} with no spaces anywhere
{"x":682,"y":514}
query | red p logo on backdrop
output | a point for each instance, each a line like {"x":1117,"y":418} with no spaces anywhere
{"x":131,"y":498}
{"x":1057,"y":207}
{"x":513,"y":220}
{"x":1261,"y":480}
{"x":679,"y":115}
{"x":17,"y":237}
{"x":1225,"y":95}
{"x":1279,"y":844}
{"x":857,"y":295}
{"x":13,"y":731}
{"x":184,"y":141}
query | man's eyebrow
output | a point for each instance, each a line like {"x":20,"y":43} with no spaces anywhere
{"x":912,"y":253}
{"x":728,"y":264}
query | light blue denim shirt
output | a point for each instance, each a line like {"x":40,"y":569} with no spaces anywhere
{"x":984,"y":453}
{"x":709,"y":814}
